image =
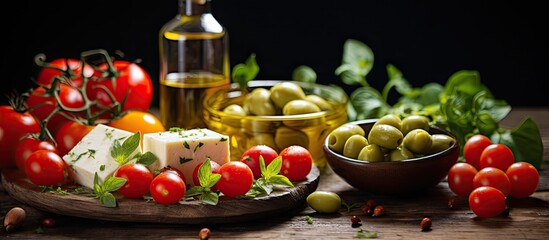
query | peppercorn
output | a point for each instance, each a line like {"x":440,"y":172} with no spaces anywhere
{"x":425,"y":224}
{"x":204,"y":234}
{"x":379,"y":211}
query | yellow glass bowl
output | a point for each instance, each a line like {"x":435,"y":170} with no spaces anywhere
{"x":308,"y":130}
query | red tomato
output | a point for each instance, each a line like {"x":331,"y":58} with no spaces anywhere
{"x":29,"y":145}
{"x":173,"y":170}
{"x":46,"y":168}
{"x":132,"y":80}
{"x":493,"y":177}
{"x":460,"y":178}
{"x":487,"y":202}
{"x":497,"y":155}
{"x":138,"y":177}
{"x":42,"y":105}
{"x":69,"y":135}
{"x":215,"y":169}
{"x":251,"y":157}
{"x":473,"y":147}
{"x":236,"y":179}
{"x":58,"y":67}
{"x":136,"y":120}
{"x":524,"y":178}
{"x":167,"y":188}
{"x":296,"y":162}
{"x":13,"y":127}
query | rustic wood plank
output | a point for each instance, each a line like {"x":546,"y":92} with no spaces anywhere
{"x":139,"y":210}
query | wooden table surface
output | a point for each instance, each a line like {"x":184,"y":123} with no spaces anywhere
{"x":528,"y":218}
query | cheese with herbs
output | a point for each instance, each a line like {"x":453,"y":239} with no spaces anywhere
{"x":185,"y":149}
{"x":93,"y":154}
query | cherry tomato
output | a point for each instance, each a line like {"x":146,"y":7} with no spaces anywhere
{"x":296,"y":162}
{"x":167,"y":188}
{"x":497,"y":155}
{"x":487,"y":202}
{"x":473,"y":147}
{"x":46,"y":168}
{"x":215,"y":169}
{"x":46,"y":74}
{"x":69,"y":135}
{"x":138,"y":177}
{"x":13,"y":127}
{"x":236,"y":179}
{"x":493,"y":177}
{"x":173,"y":170}
{"x":460,"y":178}
{"x":27,"y":146}
{"x":524,"y":178}
{"x":136,"y":120}
{"x":251,"y":157}
{"x":43,"y":104}
{"x":132,"y":82}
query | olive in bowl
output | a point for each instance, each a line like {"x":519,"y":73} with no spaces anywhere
{"x":380,"y":170}
{"x":276,"y":113}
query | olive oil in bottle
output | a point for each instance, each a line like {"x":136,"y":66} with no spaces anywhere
{"x":194,"y":61}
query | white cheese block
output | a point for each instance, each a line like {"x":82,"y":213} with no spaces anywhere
{"x":185,"y":149}
{"x":92,"y":154}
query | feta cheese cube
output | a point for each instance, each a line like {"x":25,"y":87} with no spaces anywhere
{"x":92,"y":154}
{"x":185,"y":149}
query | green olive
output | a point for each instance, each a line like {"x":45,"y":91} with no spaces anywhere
{"x":399,"y":154}
{"x":354,"y":128}
{"x":371,"y":153}
{"x":258,"y":102}
{"x":262,"y":139}
{"x":385,"y":136}
{"x":414,"y":122}
{"x":390,"y":119}
{"x":338,"y":137}
{"x":418,"y":141}
{"x":441,"y":142}
{"x":283,"y":92}
{"x":235,"y":109}
{"x":353,"y":145}
{"x":285,"y":137}
{"x":319,"y":101}
{"x":252,"y":126}
{"x":295,"y":107}
{"x":324,"y":201}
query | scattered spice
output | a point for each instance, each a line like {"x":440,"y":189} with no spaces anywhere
{"x":48,"y":222}
{"x":425,"y":224}
{"x":14,"y":218}
{"x":204,"y":234}
{"x":378,"y":211}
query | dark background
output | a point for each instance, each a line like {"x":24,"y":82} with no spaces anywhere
{"x":427,"y":40}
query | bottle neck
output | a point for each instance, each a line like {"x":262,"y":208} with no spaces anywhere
{"x":194,"y":7}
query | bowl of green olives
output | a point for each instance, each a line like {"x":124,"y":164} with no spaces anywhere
{"x":391,"y":155}
{"x":276,"y":113}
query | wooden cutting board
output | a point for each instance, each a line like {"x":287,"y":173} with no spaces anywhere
{"x":140,"y":210}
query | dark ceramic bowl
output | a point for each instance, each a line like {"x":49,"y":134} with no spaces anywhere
{"x":392,"y":178}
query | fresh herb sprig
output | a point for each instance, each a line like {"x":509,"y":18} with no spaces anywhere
{"x":242,"y":73}
{"x":207,"y":180}
{"x":104,"y":191}
{"x":270,"y":178}
{"x":122,"y":152}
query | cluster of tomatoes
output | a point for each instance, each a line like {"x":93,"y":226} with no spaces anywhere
{"x":490,"y":175}
{"x":236,"y":177}
{"x":70,"y":97}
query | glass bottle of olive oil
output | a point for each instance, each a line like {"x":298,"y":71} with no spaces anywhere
{"x":194,"y":60}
